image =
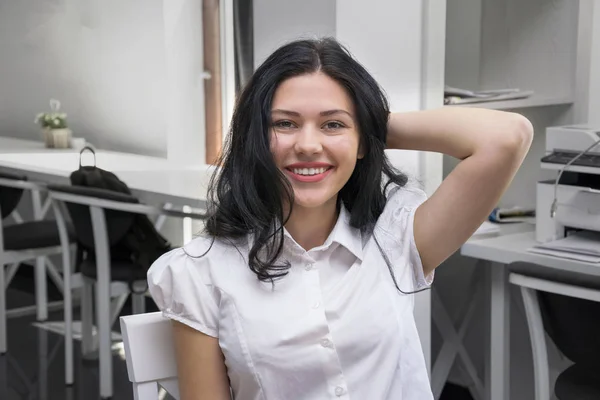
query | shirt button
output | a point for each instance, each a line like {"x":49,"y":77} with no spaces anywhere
{"x":309,"y":266}
{"x":326,"y":343}
{"x":316,"y":305}
{"x":339,"y":391}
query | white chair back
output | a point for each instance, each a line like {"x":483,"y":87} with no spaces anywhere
{"x":150,"y":355}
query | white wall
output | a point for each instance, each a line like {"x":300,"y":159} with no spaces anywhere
{"x":125,"y":72}
{"x":279,"y":21}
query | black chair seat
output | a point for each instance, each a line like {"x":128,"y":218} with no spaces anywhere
{"x":123,"y":271}
{"x":578,"y":382}
{"x":33,"y":235}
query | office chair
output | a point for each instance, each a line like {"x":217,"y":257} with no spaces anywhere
{"x":25,"y":241}
{"x":566,"y":306}
{"x":100,"y":220}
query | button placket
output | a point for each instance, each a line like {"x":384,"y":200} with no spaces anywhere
{"x":331,"y":365}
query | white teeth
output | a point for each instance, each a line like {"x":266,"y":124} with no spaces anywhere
{"x":309,"y":171}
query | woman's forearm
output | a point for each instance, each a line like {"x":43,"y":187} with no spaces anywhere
{"x":458,"y":132}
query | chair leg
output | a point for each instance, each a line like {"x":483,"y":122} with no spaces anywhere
{"x":538,"y":343}
{"x":104,"y":333}
{"x":41,"y":290}
{"x":2,"y":310}
{"x":87,"y":317}
{"x":68,"y":315}
{"x":43,"y":362}
{"x":138,"y":303}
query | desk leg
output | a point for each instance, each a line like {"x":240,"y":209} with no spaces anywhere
{"x":498,"y":370}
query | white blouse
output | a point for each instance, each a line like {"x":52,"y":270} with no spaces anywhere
{"x":335,"y":327}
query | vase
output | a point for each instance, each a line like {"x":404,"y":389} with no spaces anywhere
{"x":57,"y":138}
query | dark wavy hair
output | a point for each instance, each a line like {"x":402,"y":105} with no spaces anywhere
{"x":247,"y":194}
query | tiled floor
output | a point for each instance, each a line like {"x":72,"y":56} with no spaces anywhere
{"x":34,"y":367}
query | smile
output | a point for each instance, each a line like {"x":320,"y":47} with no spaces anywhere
{"x":309,"y":174}
{"x":309,"y":171}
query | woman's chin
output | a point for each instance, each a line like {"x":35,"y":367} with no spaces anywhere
{"x":312,"y":202}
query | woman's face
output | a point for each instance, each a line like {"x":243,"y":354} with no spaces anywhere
{"x":314,"y":137}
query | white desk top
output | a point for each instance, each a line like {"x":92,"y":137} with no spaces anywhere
{"x":509,"y":247}
{"x":154,"y":176}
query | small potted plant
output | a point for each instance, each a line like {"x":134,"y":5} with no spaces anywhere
{"x":54,"y":127}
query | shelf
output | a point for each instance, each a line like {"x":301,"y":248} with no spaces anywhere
{"x":502,"y":44}
{"x":518,"y":103}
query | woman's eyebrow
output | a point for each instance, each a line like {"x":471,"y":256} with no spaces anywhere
{"x":322,"y":113}
{"x":333,"y":112}
{"x":287,"y":112}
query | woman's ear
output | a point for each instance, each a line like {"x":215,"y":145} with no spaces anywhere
{"x":361,"y":153}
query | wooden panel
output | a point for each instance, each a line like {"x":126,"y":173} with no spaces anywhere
{"x":212,"y":86}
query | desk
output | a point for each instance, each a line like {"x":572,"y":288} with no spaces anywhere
{"x":155,"y":179}
{"x":497,"y":252}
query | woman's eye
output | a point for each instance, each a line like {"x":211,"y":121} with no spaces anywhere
{"x":333,"y":125}
{"x":283,"y":124}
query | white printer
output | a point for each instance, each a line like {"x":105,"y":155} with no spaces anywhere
{"x":575,"y":202}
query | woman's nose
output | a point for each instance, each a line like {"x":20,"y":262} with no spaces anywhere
{"x":309,"y":141}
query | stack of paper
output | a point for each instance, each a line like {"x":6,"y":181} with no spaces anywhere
{"x":454,"y":95}
{"x":582,"y":246}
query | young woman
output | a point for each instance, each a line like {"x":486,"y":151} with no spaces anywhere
{"x":301,"y":286}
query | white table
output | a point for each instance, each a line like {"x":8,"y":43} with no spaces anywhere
{"x":155,"y":179}
{"x":497,"y":252}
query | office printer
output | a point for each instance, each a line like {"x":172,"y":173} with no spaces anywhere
{"x":574,"y":203}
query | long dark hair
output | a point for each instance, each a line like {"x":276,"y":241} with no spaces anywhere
{"x":247,"y":194}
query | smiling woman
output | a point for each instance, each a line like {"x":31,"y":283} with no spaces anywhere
{"x":301,"y":286}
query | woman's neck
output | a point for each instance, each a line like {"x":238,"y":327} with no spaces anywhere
{"x":310,"y":227}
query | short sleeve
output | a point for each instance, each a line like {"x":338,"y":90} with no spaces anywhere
{"x":398,"y":221}
{"x":181,"y":288}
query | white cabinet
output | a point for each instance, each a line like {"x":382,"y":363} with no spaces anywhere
{"x":525,"y":44}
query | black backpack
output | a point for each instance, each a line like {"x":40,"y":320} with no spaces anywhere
{"x":138,"y":240}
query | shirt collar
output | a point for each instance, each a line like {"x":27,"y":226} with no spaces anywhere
{"x":342,"y":233}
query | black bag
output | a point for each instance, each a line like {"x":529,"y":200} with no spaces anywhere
{"x":141,"y":243}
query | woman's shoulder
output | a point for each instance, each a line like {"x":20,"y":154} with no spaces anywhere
{"x":202,"y":256}
{"x":186,"y":283}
